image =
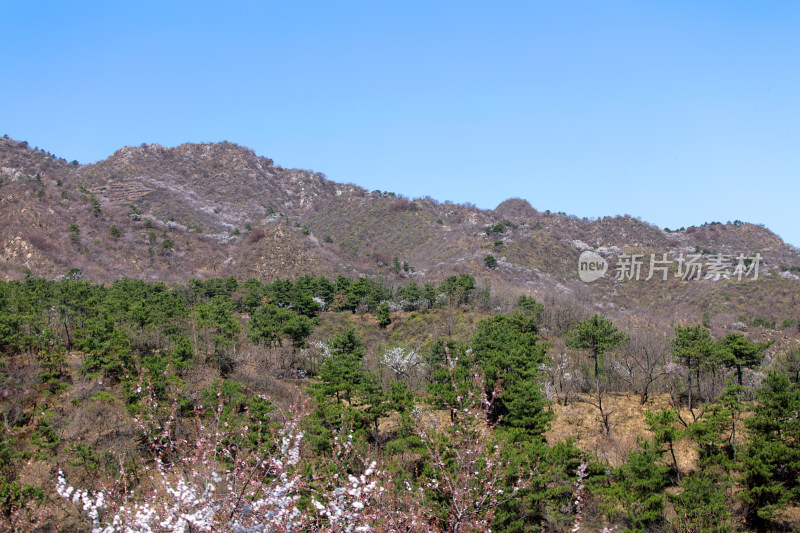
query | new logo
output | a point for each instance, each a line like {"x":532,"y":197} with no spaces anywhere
{"x":591,"y":266}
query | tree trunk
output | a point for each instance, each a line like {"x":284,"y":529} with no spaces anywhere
{"x":603,"y":416}
{"x":689,"y":375}
{"x":674,"y":460}
{"x":69,"y":340}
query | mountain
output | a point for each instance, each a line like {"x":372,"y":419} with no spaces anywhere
{"x":212,"y":210}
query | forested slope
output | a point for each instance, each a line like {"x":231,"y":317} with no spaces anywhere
{"x":333,"y":404}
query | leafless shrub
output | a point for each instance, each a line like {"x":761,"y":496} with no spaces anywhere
{"x":382,"y":259}
{"x":562,"y":311}
{"x":41,"y":242}
{"x":430,"y":200}
{"x":260,"y":380}
{"x":402,"y":204}
{"x":563,"y":373}
{"x":256,"y":235}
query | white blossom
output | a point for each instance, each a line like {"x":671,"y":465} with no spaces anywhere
{"x":401,"y":361}
{"x":321,"y":303}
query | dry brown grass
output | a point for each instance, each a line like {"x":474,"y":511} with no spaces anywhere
{"x":581,"y":420}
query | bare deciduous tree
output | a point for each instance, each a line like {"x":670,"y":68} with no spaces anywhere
{"x":640,"y":364}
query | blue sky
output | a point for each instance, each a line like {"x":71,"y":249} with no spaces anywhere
{"x":676,"y":112}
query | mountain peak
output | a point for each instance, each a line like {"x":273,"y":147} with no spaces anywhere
{"x":517,"y":208}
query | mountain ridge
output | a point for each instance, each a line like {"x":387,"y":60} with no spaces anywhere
{"x":219,"y":209}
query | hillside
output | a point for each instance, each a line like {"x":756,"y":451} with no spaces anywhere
{"x":210,"y":210}
{"x":215,"y":395}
